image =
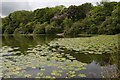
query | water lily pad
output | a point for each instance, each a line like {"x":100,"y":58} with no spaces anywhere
{"x":55,"y":73}
{"x":81,"y":75}
{"x":27,"y":76}
{"x":39,"y":74}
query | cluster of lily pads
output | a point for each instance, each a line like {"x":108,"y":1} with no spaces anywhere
{"x":40,"y":58}
{"x":51,"y":60}
{"x":89,"y":45}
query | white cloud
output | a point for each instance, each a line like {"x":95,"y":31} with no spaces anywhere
{"x":54,"y":0}
{"x":12,"y":5}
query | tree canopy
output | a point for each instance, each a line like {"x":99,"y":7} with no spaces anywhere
{"x":103,"y":18}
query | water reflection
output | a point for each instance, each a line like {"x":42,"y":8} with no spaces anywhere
{"x":24,"y":42}
{"x":94,"y":61}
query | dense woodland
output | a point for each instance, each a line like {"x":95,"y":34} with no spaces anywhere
{"x":104,"y":18}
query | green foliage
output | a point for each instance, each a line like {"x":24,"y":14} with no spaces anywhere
{"x":93,"y":29}
{"x":49,"y":29}
{"x":66,"y":24}
{"x":74,"y":29}
{"x":19,"y":31}
{"x":14,"y":20}
{"x":29,"y":27}
{"x":45,"y":14}
{"x":86,"y":18}
{"x":112,"y":23}
{"x":40,"y":28}
{"x":79,"y":12}
{"x":9,"y":30}
{"x":99,"y":19}
{"x":5,"y":22}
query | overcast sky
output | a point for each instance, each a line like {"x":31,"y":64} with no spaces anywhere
{"x":9,"y":6}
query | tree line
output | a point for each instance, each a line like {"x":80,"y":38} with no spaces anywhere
{"x":104,"y":18}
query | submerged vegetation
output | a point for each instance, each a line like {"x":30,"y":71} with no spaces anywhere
{"x":104,"y":18}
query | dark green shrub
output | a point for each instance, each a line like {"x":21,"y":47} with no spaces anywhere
{"x":49,"y":29}
{"x":40,"y":28}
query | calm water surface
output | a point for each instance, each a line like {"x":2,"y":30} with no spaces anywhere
{"x":97,"y":65}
